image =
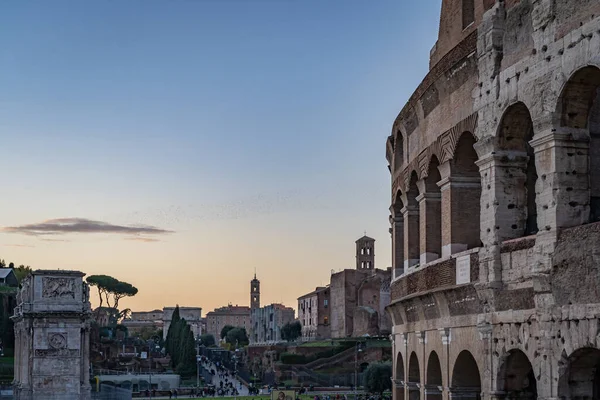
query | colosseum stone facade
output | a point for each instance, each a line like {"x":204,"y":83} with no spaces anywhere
{"x":495,"y":163}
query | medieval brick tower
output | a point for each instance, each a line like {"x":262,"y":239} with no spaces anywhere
{"x":254,"y":293}
{"x":365,"y":253}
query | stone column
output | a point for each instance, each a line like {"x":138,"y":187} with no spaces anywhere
{"x":460,"y":211}
{"x":397,"y":230}
{"x":563,"y":196}
{"x":430,"y":223}
{"x":503,"y":204}
{"x":411,"y":236}
{"x":563,"y":185}
{"x":445,"y":361}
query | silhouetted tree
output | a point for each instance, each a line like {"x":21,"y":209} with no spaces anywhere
{"x":378,"y":377}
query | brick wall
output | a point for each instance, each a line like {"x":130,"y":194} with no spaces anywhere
{"x":434,"y":276}
{"x":451,"y":30}
{"x":458,"y":53}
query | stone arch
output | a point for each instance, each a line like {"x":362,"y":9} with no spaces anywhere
{"x":397,"y":222}
{"x":516,"y":377}
{"x":580,"y":375}
{"x":431,"y":213}
{"x":578,"y":108}
{"x":463,"y":186}
{"x":414,"y":377}
{"x":516,"y":168}
{"x":433,"y":380}
{"x":399,"y":377}
{"x":398,"y":150}
{"x":466,"y":380}
{"x":412,"y":223}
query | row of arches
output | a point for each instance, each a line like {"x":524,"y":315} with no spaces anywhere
{"x":439,"y":211}
{"x":579,"y":377}
{"x":466,"y":381}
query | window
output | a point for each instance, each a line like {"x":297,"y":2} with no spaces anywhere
{"x":325,"y":302}
{"x":326,"y":320}
{"x":468,"y":12}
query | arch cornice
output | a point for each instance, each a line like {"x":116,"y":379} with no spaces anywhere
{"x":443,"y":148}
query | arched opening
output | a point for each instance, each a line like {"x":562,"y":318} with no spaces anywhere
{"x":466,"y":381}
{"x":431,"y":214}
{"x":414,"y":377}
{"x":580,"y":375}
{"x":579,"y":108}
{"x":398,"y":151}
{"x":516,"y":378}
{"x":465,"y":198}
{"x":518,"y":173}
{"x":433,"y":381}
{"x":412,"y":223}
{"x":399,"y":378}
{"x":397,"y":222}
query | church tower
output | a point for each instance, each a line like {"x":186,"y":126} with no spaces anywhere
{"x":254,"y":293}
{"x":365,"y":253}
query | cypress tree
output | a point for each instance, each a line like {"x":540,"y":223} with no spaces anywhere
{"x":174,"y":321}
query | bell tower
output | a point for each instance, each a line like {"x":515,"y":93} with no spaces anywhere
{"x":365,"y":253}
{"x":254,"y":293}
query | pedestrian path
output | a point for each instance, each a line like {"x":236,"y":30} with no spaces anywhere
{"x":216,"y":380}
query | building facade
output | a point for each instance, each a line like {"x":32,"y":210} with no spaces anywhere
{"x":313,"y":314}
{"x":192,"y":315}
{"x":139,"y":320}
{"x":236,"y":316}
{"x":495,"y":163}
{"x":359,"y":296}
{"x":266,"y":323}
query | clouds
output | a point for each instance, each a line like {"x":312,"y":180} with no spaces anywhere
{"x":63,"y":226}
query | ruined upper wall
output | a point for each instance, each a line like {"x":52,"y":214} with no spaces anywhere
{"x":458,"y":19}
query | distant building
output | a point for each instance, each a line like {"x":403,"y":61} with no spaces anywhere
{"x":192,"y":315}
{"x":254,"y":293}
{"x":161,"y":319}
{"x":267,"y":323}
{"x":8,"y":277}
{"x":358,"y":297}
{"x":144,"y":319}
{"x":236,"y":316}
{"x":313,"y":314}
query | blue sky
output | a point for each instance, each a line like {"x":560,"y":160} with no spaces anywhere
{"x":252,"y":130}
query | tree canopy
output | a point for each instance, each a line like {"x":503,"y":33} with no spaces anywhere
{"x":112,"y":290}
{"x":208,"y":340}
{"x":181,"y":345}
{"x":378,"y":377}
{"x":291,"y":331}
{"x":224,"y":331}
{"x":237,"y":336}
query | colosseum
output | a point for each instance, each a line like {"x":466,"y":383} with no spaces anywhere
{"x":495,"y":163}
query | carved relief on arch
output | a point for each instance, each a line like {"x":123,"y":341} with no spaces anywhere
{"x":449,"y":139}
{"x":423,"y":161}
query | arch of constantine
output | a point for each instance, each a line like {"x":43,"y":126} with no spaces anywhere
{"x":495,"y":163}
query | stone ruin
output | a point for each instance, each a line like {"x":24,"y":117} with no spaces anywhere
{"x":52,"y":321}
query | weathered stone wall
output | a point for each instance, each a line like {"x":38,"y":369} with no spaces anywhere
{"x":524,"y":324}
{"x":52,"y":337}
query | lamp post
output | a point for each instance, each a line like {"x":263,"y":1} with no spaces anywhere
{"x":198,"y":343}
{"x":358,"y":350}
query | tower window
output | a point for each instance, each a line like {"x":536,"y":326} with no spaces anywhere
{"x":468,"y":12}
